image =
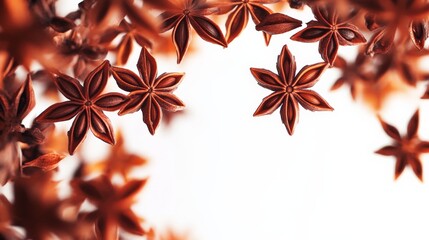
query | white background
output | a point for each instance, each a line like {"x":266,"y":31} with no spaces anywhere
{"x":218,"y":173}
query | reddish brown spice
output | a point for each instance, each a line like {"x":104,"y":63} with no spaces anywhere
{"x":149,"y":93}
{"x":290,"y":89}
{"x":86,"y":104}
{"x":330,"y":30}
{"x":186,"y":13}
{"x":406,"y":149}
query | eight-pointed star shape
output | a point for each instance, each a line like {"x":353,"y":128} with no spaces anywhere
{"x":406,"y":149}
{"x":86,"y":104}
{"x":148,"y":93}
{"x":289,"y":90}
{"x":112,"y":205}
{"x":330,"y":30}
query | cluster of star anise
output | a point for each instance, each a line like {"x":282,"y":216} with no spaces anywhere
{"x":68,"y":56}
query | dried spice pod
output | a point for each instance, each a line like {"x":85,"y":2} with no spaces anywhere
{"x":406,"y":149}
{"x":149,"y":93}
{"x":13,"y":110}
{"x":331,"y":31}
{"x":113,"y":206}
{"x":86,"y":104}
{"x":239,"y":16}
{"x":187,"y":13}
{"x":118,"y":162}
{"x":278,"y":23}
{"x":395,"y":22}
{"x":125,"y":46}
{"x":290,"y":89}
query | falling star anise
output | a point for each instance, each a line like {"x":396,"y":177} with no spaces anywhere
{"x":239,"y":16}
{"x":186,"y":13}
{"x":113,"y":205}
{"x":331,"y":30}
{"x":86,"y":104}
{"x":406,"y":149}
{"x":148,"y":93}
{"x":289,"y":90}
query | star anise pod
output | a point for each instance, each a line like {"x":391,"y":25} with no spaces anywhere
{"x":118,"y":162}
{"x":289,"y":90}
{"x":99,"y":14}
{"x":45,"y":12}
{"x":13,"y":110}
{"x":406,"y":149}
{"x":125,"y":46}
{"x":364,"y":70}
{"x":278,"y":23}
{"x":113,"y":205}
{"x":148,"y":93}
{"x":186,"y":13}
{"x":82,"y":52}
{"x":86,"y":104}
{"x":44,"y":157}
{"x":391,"y":18}
{"x":331,"y":30}
{"x":239,"y":16}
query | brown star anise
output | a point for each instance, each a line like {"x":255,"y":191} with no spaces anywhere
{"x":148,"y":93}
{"x":395,"y":18}
{"x":113,"y":205}
{"x":239,"y":16}
{"x":289,"y":90}
{"x":186,"y":13}
{"x":278,"y":23}
{"x":13,"y":110}
{"x":125,"y":46}
{"x":331,"y":30}
{"x":406,"y":149}
{"x":118,"y":162}
{"x":79,"y":50}
{"x":86,"y":104}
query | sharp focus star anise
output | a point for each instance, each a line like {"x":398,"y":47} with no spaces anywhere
{"x":406,"y":149}
{"x":148,"y":93}
{"x":331,"y":30}
{"x":86,"y":104}
{"x":113,"y":206}
{"x":278,"y":23}
{"x":187,"y":13}
{"x":289,"y":90}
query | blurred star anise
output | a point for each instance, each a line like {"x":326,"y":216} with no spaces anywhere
{"x":406,"y":149}
{"x":401,"y":19}
{"x":113,"y":206}
{"x":119,"y":161}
